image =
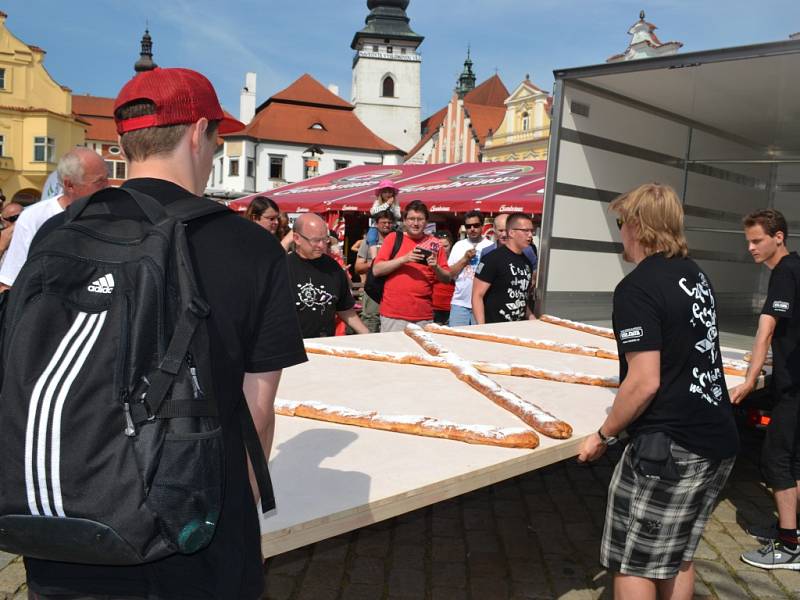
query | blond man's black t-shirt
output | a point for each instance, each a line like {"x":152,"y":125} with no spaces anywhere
{"x":783,"y":303}
{"x":242,"y":273}
{"x":668,"y":304}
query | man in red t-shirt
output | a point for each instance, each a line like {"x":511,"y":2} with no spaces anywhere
{"x":408,"y":291}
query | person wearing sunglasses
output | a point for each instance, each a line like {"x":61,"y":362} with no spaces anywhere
{"x":319,"y":285}
{"x":82,"y":172}
{"x":672,"y":401}
{"x":465,"y":256}
{"x":8,"y":216}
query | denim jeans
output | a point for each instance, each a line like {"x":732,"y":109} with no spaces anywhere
{"x":461,"y":315}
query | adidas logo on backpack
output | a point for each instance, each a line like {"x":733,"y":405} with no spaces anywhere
{"x":104,"y":285}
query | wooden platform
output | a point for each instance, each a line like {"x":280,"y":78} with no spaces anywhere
{"x":331,"y":478}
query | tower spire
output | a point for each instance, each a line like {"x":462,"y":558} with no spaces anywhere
{"x":466,"y":81}
{"x":145,"y":62}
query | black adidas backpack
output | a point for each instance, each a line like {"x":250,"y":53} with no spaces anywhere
{"x":111,"y":443}
{"x":373,"y":286}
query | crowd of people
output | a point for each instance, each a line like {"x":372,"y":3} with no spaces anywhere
{"x":268,"y":290}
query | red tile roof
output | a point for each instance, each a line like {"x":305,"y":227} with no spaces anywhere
{"x":289,"y":115}
{"x":99,"y":113}
{"x":430,"y":126}
{"x":491,"y":92}
{"x":484,"y":118}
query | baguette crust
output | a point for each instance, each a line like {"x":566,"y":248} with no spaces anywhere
{"x":506,"y":437}
{"x":585,"y":327}
{"x":529,"y":413}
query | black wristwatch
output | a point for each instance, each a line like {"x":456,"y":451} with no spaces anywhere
{"x":607,"y":440}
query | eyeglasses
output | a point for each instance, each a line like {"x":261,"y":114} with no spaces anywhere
{"x":620,"y":222}
{"x":530,"y":231}
{"x":416,"y":219}
{"x":10,"y":219}
{"x":472,"y":225}
{"x":266,"y":218}
{"x":314,"y":241}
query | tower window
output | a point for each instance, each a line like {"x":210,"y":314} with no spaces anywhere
{"x":388,"y":87}
{"x":526,"y":121}
{"x":375,"y":48}
{"x":389,"y":49}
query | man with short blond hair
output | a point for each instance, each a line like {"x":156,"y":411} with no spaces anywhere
{"x":168,"y":120}
{"x":672,"y":400}
{"x":81,"y":172}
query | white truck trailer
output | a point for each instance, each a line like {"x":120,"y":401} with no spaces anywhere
{"x":721,"y":126}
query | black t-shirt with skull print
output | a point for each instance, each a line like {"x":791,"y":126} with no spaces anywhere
{"x":668,"y":304}
{"x":320,"y":289}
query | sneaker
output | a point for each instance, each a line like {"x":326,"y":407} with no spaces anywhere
{"x":763,"y":533}
{"x":773,"y":555}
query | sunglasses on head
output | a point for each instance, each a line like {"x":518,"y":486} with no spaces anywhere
{"x":10,"y":219}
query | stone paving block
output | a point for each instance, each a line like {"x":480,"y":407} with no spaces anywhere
{"x":448,"y":509}
{"x":290,"y":563}
{"x":366,"y":570}
{"x":718,"y":578}
{"x":448,"y":593}
{"x":489,"y":588}
{"x":761,"y":585}
{"x":359,"y":591}
{"x":410,"y":533}
{"x":725,"y":512}
{"x":12,"y":578}
{"x":450,"y":575}
{"x":446,"y":527}
{"x":705,"y":551}
{"x":373,"y":542}
{"x":520,"y":546}
{"x":482,"y":541}
{"x":508,"y":508}
{"x":478,"y":519}
{"x":417,"y":516}
{"x":701,"y":591}
{"x":324,"y":573}
{"x":316,"y":592}
{"x":571,"y":589}
{"x":448,"y":550}
{"x":721,"y":540}
{"x":406,"y":583}
{"x":408,"y":557}
{"x":279,"y":587}
{"x":526,"y":570}
{"x":790,"y":580}
{"x":581,"y":532}
{"x":536,"y":589}
{"x":506,"y":490}
{"x":6,"y":558}
{"x":486,"y":564}
{"x":333,"y":549}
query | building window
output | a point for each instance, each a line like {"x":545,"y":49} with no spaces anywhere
{"x":233,"y":167}
{"x":220,"y":170}
{"x":340,"y":164}
{"x":2,"y":79}
{"x":276,"y":167}
{"x":375,"y":48}
{"x":319,"y":126}
{"x":526,"y":121}
{"x":402,"y":50}
{"x":389,"y":49}
{"x":113,"y":149}
{"x":251,"y":167}
{"x":387,"y":90}
{"x":44,"y":149}
{"x":2,"y":145}
{"x":120,"y":170}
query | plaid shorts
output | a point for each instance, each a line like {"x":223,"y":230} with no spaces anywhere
{"x":653,"y":525}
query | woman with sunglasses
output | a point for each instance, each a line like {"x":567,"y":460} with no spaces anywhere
{"x":8,"y":216}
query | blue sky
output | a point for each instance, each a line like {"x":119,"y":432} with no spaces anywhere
{"x":91,"y":44}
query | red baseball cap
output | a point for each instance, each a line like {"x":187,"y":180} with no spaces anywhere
{"x":181,"y":97}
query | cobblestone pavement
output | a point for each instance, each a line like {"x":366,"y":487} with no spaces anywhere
{"x":535,"y":536}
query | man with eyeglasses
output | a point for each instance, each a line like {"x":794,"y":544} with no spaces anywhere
{"x":319,"y":285}
{"x":82,"y":172}
{"x":464,"y":257}
{"x":408,"y":291}
{"x":9,"y":217}
{"x":503,"y":277}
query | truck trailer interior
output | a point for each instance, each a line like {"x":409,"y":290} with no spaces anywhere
{"x":721,"y":126}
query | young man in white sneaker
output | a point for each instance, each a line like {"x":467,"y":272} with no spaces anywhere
{"x":778,"y":326}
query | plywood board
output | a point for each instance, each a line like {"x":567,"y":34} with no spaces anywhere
{"x":332,"y":478}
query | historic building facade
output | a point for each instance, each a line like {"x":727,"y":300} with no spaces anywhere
{"x":386,"y":74}
{"x":524,"y":133}
{"x":645,"y":43}
{"x":37,"y":124}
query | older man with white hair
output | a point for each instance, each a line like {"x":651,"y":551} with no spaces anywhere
{"x":81,"y":172}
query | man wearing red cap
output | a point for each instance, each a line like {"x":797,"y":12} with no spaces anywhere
{"x":168,"y":121}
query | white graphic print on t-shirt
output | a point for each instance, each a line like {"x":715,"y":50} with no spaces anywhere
{"x":705,"y":383}
{"x":517,"y":293}
{"x":315,"y":298}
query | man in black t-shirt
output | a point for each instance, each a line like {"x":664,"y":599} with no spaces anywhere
{"x":779,"y":326}
{"x":168,"y":120}
{"x":319,"y":285}
{"x":672,"y":400}
{"x":503,"y":277}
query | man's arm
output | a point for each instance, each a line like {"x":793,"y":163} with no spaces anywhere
{"x":479,"y":289}
{"x":766,"y":329}
{"x":386,"y":267}
{"x":259,"y":391}
{"x":635,"y":393}
{"x":440,"y":270}
{"x":350,"y":318}
{"x":362,"y":265}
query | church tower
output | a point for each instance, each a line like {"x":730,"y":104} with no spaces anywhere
{"x":386,"y":74}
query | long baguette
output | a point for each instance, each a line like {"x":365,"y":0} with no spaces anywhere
{"x":506,"y":437}
{"x":426,"y":360}
{"x":529,"y":413}
{"x":585,"y":327}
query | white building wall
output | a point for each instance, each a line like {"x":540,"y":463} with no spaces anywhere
{"x":395,"y":119}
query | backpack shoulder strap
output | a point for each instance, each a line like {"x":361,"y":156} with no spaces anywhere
{"x":398,"y":241}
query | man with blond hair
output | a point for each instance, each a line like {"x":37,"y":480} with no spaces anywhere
{"x":778,"y":326}
{"x":168,"y":121}
{"x":81,"y":172}
{"x":672,"y":401}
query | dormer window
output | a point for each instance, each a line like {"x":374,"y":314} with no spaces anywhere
{"x":526,"y":121}
{"x":318,"y":126}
